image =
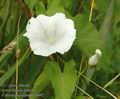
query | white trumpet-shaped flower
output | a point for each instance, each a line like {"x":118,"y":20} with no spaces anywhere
{"x":93,"y":60}
{"x":50,"y":34}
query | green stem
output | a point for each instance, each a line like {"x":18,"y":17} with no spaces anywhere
{"x":91,"y":11}
{"x":2,"y":71}
{"x":78,"y":76}
{"x":17,"y":56}
{"x":111,"y":81}
{"x":84,"y":92}
{"x":100,"y":87}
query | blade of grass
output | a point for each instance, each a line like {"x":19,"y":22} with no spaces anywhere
{"x":17,"y":57}
{"x":91,"y":11}
{"x":6,"y":52}
{"x":111,"y":81}
{"x":6,"y":13}
{"x":100,"y":87}
{"x":11,"y":71}
{"x":78,"y":76}
{"x":84,"y":92}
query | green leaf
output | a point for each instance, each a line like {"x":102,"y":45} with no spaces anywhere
{"x":40,"y":8}
{"x":55,"y":6}
{"x":62,"y":82}
{"x":88,"y":38}
{"x":30,"y":3}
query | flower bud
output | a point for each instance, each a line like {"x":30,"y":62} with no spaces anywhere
{"x":93,"y":60}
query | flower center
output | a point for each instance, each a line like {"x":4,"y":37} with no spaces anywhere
{"x":51,"y":39}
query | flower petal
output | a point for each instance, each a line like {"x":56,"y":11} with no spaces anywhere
{"x":29,"y":22}
{"x":40,"y":48}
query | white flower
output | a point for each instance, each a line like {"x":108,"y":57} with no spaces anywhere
{"x":93,"y":60}
{"x":50,"y":34}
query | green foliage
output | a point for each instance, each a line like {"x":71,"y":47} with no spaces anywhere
{"x":30,"y":3}
{"x":63,"y":83}
{"x":102,"y":5}
{"x":54,"y":6}
{"x":52,"y":72}
{"x":4,"y":59}
{"x":81,"y":97}
{"x":12,"y":70}
{"x":40,"y":8}
{"x":88,"y":39}
{"x":40,"y":83}
{"x":68,"y":4}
